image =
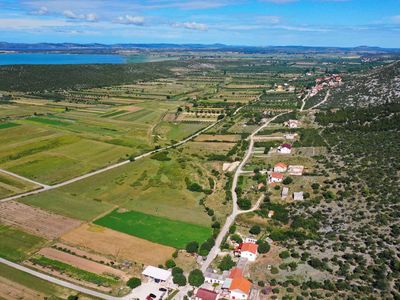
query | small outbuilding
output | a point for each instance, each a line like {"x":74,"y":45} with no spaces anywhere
{"x":298,"y":196}
{"x":156,"y":274}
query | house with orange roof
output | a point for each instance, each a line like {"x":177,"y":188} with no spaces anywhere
{"x":235,"y":273}
{"x":248,"y":250}
{"x":280,"y":167}
{"x":240,"y":288}
{"x":275,"y":177}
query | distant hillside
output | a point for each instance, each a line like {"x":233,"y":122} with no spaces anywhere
{"x":376,"y":87}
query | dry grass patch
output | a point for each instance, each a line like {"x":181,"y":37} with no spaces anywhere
{"x":118,"y":245}
{"x":218,"y":137}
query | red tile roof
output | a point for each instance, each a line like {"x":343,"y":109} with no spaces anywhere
{"x":281,"y":164}
{"x":286,"y":146}
{"x":277,"y":175}
{"x":206,"y":294}
{"x":241,"y":284}
{"x":235,"y":273}
{"x":250,"y":247}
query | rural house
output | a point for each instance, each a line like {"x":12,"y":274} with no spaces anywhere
{"x":295,"y":170}
{"x":204,"y":294}
{"x":280,"y":167}
{"x":240,"y":288}
{"x":247,"y":250}
{"x":284,"y":193}
{"x":275,"y":177}
{"x":285,"y":149}
{"x":292,"y":123}
{"x":298,"y":196}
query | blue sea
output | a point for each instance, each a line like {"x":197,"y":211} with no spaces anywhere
{"x":59,"y":59}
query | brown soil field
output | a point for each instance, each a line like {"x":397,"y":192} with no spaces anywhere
{"x":81,"y":263}
{"x":35,"y":220}
{"x":82,"y":253}
{"x":119,"y":245}
{"x":217,"y":137}
{"x":133,"y":108}
{"x":10,"y":290}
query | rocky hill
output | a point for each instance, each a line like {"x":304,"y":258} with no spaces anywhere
{"x":375,"y":87}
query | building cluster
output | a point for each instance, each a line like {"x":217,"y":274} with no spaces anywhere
{"x":231,"y":284}
{"x":333,"y":80}
{"x":277,"y":176}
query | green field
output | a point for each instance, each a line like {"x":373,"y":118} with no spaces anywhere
{"x":159,"y":230}
{"x":17,"y":245}
{"x":10,"y":185}
{"x":147,"y":185}
{"x":37,"y":284}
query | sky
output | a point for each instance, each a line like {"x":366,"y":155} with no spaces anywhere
{"x":344,"y":23}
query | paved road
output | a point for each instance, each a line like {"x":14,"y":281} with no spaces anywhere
{"x":235,"y":210}
{"x":117,"y":165}
{"x":62,"y":282}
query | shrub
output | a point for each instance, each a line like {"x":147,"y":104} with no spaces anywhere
{"x":284,"y":254}
{"x":263,"y":247}
{"x":255,"y":229}
{"x":196,"y":278}
{"x":170,"y":263}
{"x":134,"y":282}
{"x":226,"y":263}
{"x":192,"y":247}
{"x":287,"y":180}
{"x":179,"y":279}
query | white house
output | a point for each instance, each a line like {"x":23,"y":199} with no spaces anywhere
{"x":298,"y":196}
{"x":290,"y":136}
{"x":285,"y":149}
{"x":284,"y":193}
{"x":212,"y":278}
{"x":295,"y":170}
{"x":280,"y":167}
{"x":275,"y":177}
{"x":248,"y":250}
{"x":156,"y":274}
{"x":293,"y":123}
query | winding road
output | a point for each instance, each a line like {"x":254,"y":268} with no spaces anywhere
{"x":235,"y":210}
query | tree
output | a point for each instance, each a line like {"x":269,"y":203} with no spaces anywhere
{"x":72,"y":297}
{"x":134,"y":282}
{"x":287,"y":180}
{"x":232,"y":229}
{"x":226,"y":263}
{"x":176,"y":271}
{"x":192,"y":247}
{"x":244,"y":204}
{"x":255,"y":229}
{"x":179,"y":279}
{"x":284,"y":254}
{"x":196,"y":278}
{"x":170,"y":263}
{"x":263,"y":247}
{"x":235,"y":237}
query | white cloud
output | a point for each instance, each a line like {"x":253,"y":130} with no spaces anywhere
{"x":90,"y":17}
{"x":132,"y":20}
{"x":395,"y":19}
{"x":41,"y":11}
{"x":191,"y":25}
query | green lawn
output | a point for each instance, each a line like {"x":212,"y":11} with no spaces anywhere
{"x":156,"y":229}
{"x":17,"y":245}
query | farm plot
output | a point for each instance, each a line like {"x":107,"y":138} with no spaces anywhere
{"x":82,"y":263}
{"x":148,"y":185}
{"x":10,"y":185}
{"x":166,"y":131}
{"x":15,"y":284}
{"x":123,"y":246}
{"x":156,"y":229}
{"x":231,"y":138}
{"x":17,"y":245}
{"x":35,"y":221}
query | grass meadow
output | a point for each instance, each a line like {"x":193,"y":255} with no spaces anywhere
{"x":156,"y":229}
{"x":17,"y":245}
